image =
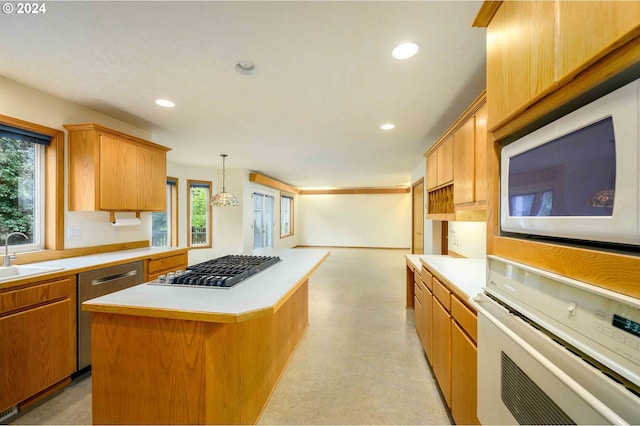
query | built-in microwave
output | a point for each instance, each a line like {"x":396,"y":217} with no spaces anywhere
{"x":577,"y":177}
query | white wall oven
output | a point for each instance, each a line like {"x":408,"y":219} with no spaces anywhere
{"x":552,"y":350}
{"x":577,"y":177}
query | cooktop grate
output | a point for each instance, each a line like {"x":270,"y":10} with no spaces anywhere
{"x":222,"y":272}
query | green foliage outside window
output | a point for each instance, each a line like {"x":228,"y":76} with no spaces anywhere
{"x":17,"y":186}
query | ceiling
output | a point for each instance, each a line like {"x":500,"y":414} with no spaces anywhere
{"x":311,"y":115}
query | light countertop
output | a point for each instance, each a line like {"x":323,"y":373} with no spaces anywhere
{"x":74,"y":265}
{"x":468,"y":275}
{"x":258,"y":293}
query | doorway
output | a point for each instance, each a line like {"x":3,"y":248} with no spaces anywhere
{"x":262,"y":220}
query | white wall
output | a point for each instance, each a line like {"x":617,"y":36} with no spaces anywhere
{"x":362,"y":220}
{"x":468,"y":238}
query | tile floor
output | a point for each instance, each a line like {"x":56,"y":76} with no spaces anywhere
{"x":359,"y":362}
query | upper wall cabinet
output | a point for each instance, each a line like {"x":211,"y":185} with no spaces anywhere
{"x":587,"y":28}
{"x":112,"y":171}
{"x":520,"y":56}
{"x":536,"y":47}
{"x":457,"y":168}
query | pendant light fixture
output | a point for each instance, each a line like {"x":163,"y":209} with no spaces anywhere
{"x":223,"y":199}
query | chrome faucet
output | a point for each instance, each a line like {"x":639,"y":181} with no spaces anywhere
{"x":7,"y":258}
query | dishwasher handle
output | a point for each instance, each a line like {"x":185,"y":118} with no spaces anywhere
{"x":115,"y":277}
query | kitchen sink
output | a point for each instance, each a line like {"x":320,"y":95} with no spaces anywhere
{"x":20,"y":271}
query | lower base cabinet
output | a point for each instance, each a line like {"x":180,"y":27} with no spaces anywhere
{"x":464,"y":377}
{"x":441,"y":350}
{"x":37,"y":339}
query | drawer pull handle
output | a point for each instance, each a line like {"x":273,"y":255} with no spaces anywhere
{"x":114,"y":277}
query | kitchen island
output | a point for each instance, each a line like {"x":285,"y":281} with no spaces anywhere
{"x":185,"y":355}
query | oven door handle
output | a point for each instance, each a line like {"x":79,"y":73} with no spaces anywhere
{"x":502,"y":324}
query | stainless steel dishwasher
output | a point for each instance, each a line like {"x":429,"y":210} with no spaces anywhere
{"x":92,"y":284}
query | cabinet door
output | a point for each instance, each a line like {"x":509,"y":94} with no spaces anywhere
{"x":427,"y":314}
{"x":587,"y":27}
{"x":152,"y":179}
{"x":441,"y":350}
{"x":36,"y":351}
{"x":520,"y":55}
{"x":118,"y":174}
{"x":464,"y":163}
{"x":432,"y":170}
{"x":481,"y":155}
{"x":418,"y":310}
{"x":445,"y":162}
{"x":464,"y":377}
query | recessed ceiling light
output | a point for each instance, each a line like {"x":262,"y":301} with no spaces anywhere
{"x":387,"y":126}
{"x":405,"y":50}
{"x":165,"y":103}
{"x":245,"y":68}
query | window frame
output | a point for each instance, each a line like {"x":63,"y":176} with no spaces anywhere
{"x":172,"y":204}
{"x":209,"y":244}
{"x":290,"y":197}
{"x":53,"y":205}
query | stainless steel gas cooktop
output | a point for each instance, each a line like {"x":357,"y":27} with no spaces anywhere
{"x":222,"y":272}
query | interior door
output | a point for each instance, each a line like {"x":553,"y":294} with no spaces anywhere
{"x":262,"y":220}
{"x":418,"y":218}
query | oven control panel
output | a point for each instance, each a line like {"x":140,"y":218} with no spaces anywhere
{"x":602,"y":324}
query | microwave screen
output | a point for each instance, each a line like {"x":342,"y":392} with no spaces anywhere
{"x":573,"y":175}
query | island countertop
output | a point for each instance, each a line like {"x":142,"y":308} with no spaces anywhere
{"x":258,"y":295}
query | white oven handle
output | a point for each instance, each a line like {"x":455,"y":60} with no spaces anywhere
{"x":502,"y":324}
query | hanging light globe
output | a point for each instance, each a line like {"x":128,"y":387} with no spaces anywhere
{"x":223,"y":199}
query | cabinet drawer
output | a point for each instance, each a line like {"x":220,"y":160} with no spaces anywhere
{"x":427,"y":278}
{"x":416,"y":275}
{"x":442,"y":294}
{"x":25,"y":297}
{"x":418,"y":291}
{"x":464,"y":316}
{"x":178,"y":261}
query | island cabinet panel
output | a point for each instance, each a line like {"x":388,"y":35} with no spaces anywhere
{"x":520,"y":56}
{"x":37,"y":339}
{"x":150,"y":370}
{"x":587,"y":28}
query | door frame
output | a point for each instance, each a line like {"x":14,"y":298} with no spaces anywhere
{"x":413,"y":224}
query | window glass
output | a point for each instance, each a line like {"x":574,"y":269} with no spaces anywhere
{"x":164,"y":224}
{"x":199,"y":212}
{"x":286,"y":216}
{"x":21,"y":189}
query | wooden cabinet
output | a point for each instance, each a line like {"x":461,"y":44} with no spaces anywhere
{"x":536,"y":47}
{"x":111,"y":171}
{"x":440,"y":165}
{"x":441,"y":351}
{"x":464,"y":377}
{"x":449,"y":331}
{"x":520,"y":56}
{"x":459,"y":181}
{"x":464,"y":368}
{"x":159,"y":266}
{"x":587,"y":28}
{"x":37,"y":339}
